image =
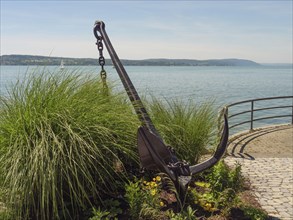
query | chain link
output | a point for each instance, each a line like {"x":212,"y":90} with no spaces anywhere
{"x":100,"y":48}
{"x":102,"y":61}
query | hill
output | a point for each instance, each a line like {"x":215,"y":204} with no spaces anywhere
{"x":48,"y":61}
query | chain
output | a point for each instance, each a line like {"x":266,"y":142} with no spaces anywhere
{"x":102,"y":62}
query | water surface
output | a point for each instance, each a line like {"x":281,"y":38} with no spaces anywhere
{"x":224,"y":85}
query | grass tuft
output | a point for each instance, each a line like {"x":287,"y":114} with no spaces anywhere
{"x":64,"y":143}
{"x":187,"y":127}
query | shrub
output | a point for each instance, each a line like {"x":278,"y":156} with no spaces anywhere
{"x":188,"y":128}
{"x":254,"y":213}
{"x":188,"y":214}
{"x":64,"y":143}
{"x":216,"y":192}
{"x":134,"y":196}
{"x":221,"y":177}
{"x":112,"y":210}
{"x":143,"y":198}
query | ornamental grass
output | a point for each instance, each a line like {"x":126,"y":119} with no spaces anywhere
{"x":186,"y":127}
{"x":65,"y":143}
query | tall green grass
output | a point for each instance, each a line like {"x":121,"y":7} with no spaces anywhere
{"x":64,"y":144}
{"x":187,"y":127}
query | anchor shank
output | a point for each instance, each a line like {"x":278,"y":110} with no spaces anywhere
{"x":129,"y":87}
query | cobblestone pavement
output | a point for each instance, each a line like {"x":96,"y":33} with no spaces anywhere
{"x":269,"y":171}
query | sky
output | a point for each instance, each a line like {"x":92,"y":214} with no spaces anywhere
{"x":256,"y":30}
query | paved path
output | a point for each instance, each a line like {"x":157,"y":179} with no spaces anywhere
{"x":266,"y":157}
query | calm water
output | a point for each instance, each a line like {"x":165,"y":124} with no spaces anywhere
{"x":224,"y":85}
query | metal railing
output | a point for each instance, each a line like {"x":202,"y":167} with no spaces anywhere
{"x":252,"y":110}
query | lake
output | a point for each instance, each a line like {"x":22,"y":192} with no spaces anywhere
{"x":223,"y":85}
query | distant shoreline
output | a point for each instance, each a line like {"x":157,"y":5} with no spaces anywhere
{"x":30,"y":60}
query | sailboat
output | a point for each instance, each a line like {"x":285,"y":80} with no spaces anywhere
{"x":62,"y":65}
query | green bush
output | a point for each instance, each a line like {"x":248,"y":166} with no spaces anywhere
{"x":111,"y":210}
{"x":254,"y":213}
{"x":135,"y":197}
{"x":64,"y":144}
{"x":222,"y":178}
{"x":188,"y":128}
{"x":143,"y":198}
{"x":216,"y":189}
{"x":188,"y":214}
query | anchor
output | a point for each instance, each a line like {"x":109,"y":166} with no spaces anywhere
{"x":153,"y":152}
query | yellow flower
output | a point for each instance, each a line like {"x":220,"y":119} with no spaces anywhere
{"x":153,"y":192}
{"x":158,"y":178}
{"x":162,"y":204}
{"x":154,"y":179}
{"x":208,"y":205}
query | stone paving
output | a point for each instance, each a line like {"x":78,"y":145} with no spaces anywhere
{"x":269,"y":171}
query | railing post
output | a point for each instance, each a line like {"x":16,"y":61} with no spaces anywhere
{"x":251,"y":115}
{"x":292,"y":113}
